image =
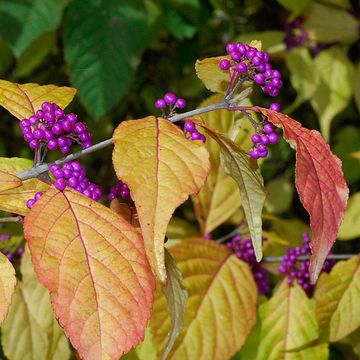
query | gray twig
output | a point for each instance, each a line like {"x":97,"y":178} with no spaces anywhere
{"x":12,"y":219}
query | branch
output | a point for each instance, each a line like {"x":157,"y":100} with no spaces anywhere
{"x":41,"y":169}
{"x":12,"y":219}
{"x":277,"y":259}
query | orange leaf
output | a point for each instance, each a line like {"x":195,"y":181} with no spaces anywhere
{"x":162,"y":169}
{"x":8,"y":181}
{"x":125,"y":211}
{"x":7,"y":285}
{"x":319,"y":182}
{"x":23,"y":100}
{"x":94,"y":264}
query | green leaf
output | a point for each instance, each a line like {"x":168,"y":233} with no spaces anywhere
{"x":279,"y":195}
{"x":336,"y":86}
{"x":31,"y":324}
{"x":326,"y":24}
{"x":244,"y":170}
{"x":337,"y":296}
{"x":221,"y":309}
{"x":6,"y":57}
{"x":270,"y":40}
{"x":219,"y":198}
{"x":144,"y":351}
{"x":177,"y":25}
{"x":22,"y":21}
{"x":295,"y":6}
{"x":103,"y":44}
{"x":304,"y":76}
{"x":176,"y":297}
{"x":346,"y":143}
{"x":35,"y":53}
{"x":350,"y":227}
{"x":357,"y":87}
{"x":286,"y":322}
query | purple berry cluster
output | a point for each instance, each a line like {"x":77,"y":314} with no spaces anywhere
{"x":120,"y":190}
{"x":244,"y":251}
{"x":170,"y":100}
{"x":261,"y":139}
{"x":298,"y":270}
{"x":296,"y":35}
{"x":248,"y":62}
{"x":52,"y":127}
{"x":30,"y":203}
{"x":73,"y":174}
{"x":13,"y":256}
{"x":192,"y":133}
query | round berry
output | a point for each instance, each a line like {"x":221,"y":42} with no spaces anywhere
{"x":195,"y":135}
{"x":224,"y":64}
{"x":60,"y":184}
{"x":59,"y":113}
{"x":58,"y":174}
{"x":65,"y":149}
{"x":241,"y":48}
{"x":236,"y":56}
{"x":40,"y":114}
{"x":189,"y":126}
{"x":256,"y":138}
{"x":30,"y":203}
{"x":274,"y":106}
{"x":276,"y":74}
{"x":261,"y":68}
{"x":38,"y":134}
{"x":85,"y":136}
{"x":273,"y":138}
{"x":254,"y":154}
{"x":259,"y":78}
{"x":71,"y":117}
{"x":268,"y":128}
{"x":250,"y":54}
{"x":28,"y":136}
{"x":46,"y":106}
{"x":160,"y":104}
{"x":49,"y":117}
{"x":87,"y":144}
{"x":261,"y":147}
{"x":203,"y":138}
{"x":241,"y":68}
{"x":230,"y":47}
{"x":34,"y":144}
{"x":256,"y":61}
{"x":80,"y":128}
{"x":33,"y":120}
{"x":38,"y":195}
{"x":181,"y":103}
{"x":48,"y":135}
{"x":52,"y":144}
{"x":264,"y":153}
{"x":264,"y":139}
{"x":57,"y":129}
{"x":25,"y":123}
{"x":170,"y":98}
{"x":73,"y":181}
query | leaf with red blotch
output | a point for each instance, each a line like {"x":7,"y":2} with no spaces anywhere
{"x":320,"y":183}
{"x":95,"y":266}
{"x":8,"y":181}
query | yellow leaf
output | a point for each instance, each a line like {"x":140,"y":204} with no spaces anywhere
{"x":246,"y":173}
{"x":31,"y":324}
{"x":221,"y":309}
{"x":8,"y":181}
{"x":14,"y":199}
{"x":350,"y":227}
{"x":94,"y":263}
{"x":286,"y":322}
{"x":162,"y":168}
{"x":23,"y":100}
{"x":219,"y":198}
{"x":355,"y":155}
{"x":337,"y":297}
{"x":7,"y":285}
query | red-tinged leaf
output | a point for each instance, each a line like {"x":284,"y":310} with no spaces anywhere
{"x":8,"y":181}
{"x":320,"y":183}
{"x":162,"y":168}
{"x":126,"y":211}
{"x":94,"y":264}
{"x":23,"y":100}
{"x":7,"y":285}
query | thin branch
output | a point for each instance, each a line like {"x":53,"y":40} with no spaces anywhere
{"x":12,"y":219}
{"x":278,"y":259}
{"x":228,"y":236}
{"x":41,"y":169}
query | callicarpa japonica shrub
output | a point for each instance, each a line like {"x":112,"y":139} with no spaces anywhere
{"x":97,"y":272}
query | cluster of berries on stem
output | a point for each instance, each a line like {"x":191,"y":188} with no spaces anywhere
{"x":51,"y":127}
{"x":244,"y":250}
{"x":263,"y":137}
{"x":192,"y":133}
{"x":120,"y":190}
{"x":247,"y":63}
{"x":298,"y":270}
{"x":31,"y":202}
{"x":73,"y":174}
{"x":171,"y":101}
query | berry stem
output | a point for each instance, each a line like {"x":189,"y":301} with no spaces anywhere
{"x":12,"y":219}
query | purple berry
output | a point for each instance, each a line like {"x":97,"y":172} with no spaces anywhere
{"x":261,"y":147}
{"x":236,"y":56}
{"x":273,"y":138}
{"x":25,"y":123}
{"x":261,"y":68}
{"x":60,"y":184}
{"x":256,"y":61}
{"x":54,"y":167}
{"x":189,"y":126}
{"x":38,"y":195}
{"x":52,"y":144}
{"x":254,"y":154}
{"x":241,"y":68}
{"x":28,"y":136}
{"x":40,"y":114}
{"x":49,"y":117}
{"x":230,"y":47}
{"x":259,"y":78}
{"x":170,"y":98}
{"x":59,"y":113}
{"x":58,"y":174}
{"x":38,"y":134}
{"x":256,"y":138}
{"x":181,"y":103}
{"x":264,"y":139}
{"x":274,"y":106}
{"x":46,"y":106}
{"x":268,"y":128}
{"x":195,"y":135}
{"x":34,"y":144}
{"x":33,"y":120}
{"x":71,"y":117}
{"x":65,"y":149}
{"x":160,"y":104}
{"x":30,"y":203}
{"x":203,"y":138}
{"x":87,"y":144}
{"x":224,"y":64}
{"x":80,"y":128}
{"x":57,"y":129}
